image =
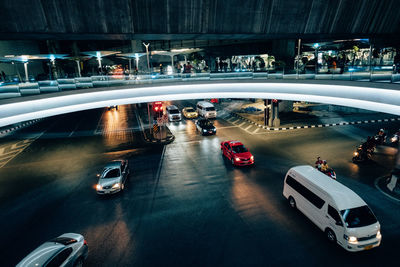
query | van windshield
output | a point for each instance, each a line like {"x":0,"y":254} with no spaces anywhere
{"x":210,"y":109}
{"x":358,"y":217}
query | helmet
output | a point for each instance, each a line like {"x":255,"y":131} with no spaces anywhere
{"x":324,"y":161}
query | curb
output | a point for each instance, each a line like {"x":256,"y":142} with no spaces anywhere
{"x":311,"y":126}
{"x":382,"y":191}
{"x":151,"y":140}
{"x":19,"y":126}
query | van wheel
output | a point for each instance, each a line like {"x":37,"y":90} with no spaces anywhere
{"x":330,"y":235}
{"x":292,"y":202}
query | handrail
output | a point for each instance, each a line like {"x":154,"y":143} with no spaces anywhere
{"x":49,"y":86}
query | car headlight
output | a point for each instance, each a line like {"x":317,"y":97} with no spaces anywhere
{"x":117,"y":185}
{"x":204,"y":130}
{"x":214,"y":130}
{"x":351,"y":239}
{"x":355,"y":153}
{"x":252,"y":158}
{"x":378,"y":234}
{"x":393,"y":139}
{"x":237,"y":159}
{"x":99,"y":187}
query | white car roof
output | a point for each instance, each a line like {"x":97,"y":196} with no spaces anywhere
{"x":205,"y":104}
{"x":344,"y":197}
{"x":41,"y":255}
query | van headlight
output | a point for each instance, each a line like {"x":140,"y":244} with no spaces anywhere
{"x":252,"y":158}
{"x":378,"y":234}
{"x":355,"y":153}
{"x":117,"y":185}
{"x":351,"y":239}
{"x":237,"y":159}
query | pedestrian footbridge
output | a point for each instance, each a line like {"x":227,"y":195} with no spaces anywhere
{"x":376,"y":96}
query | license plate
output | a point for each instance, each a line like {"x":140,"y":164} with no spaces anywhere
{"x":368,"y":247}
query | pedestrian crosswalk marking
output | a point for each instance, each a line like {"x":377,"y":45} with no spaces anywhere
{"x":248,"y":127}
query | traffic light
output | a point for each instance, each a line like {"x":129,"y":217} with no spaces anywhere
{"x":157,"y":109}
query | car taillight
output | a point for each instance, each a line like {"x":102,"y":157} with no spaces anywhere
{"x":85,"y":242}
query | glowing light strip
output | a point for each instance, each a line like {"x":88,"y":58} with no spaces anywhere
{"x":382,"y":100}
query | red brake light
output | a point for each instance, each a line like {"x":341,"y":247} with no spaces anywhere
{"x":85,"y":242}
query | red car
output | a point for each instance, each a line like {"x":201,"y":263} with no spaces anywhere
{"x":237,"y":153}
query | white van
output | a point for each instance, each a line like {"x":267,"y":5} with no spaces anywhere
{"x":173,"y":113}
{"x":333,"y":207}
{"x":206,"y":109}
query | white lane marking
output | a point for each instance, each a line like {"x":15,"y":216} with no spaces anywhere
{"x":229,"y":120}
{"x":248,"y":127}
{"x":242,"y":124}
{"x":233,"y":122}
{"x":256,"y":130}
{"x":225,"y":127}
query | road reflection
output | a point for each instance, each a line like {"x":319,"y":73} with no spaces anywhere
{"x":115,"y":230}
{"x":116,"y":126}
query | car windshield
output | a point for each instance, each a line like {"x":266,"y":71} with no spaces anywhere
{"x":206,"y":123}
{"x":189,"y":110}
{"x":210,"y":109}
{"x":358,"y":217}
{"x":174,"y":111}
{"x":239,"y":149}
{"x":113,"y":173}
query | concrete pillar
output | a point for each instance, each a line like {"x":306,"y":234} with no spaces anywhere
{"x":276,"y":121}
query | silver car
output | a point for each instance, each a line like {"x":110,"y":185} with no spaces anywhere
{"x":113,"y":177}
{"x":66,"y":250}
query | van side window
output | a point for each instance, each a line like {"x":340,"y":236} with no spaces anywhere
{"x":305,"y":192}
{"x":333,"y":213}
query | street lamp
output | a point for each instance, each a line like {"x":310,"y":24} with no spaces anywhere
{"x":25,"y":60}
{"x":98,"y":56}
{"x":147,"y":53}
{"x":316,"y":46}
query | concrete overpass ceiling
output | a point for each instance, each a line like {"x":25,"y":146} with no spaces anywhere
{"x":197,"y":19}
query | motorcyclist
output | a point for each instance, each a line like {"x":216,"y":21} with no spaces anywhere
{"x":318,"y":163}
{"x":324,"y":167}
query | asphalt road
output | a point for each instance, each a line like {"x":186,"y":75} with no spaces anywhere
{"x":184,"y":205}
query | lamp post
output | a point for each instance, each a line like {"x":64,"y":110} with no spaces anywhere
{"x":298,"y":56}
{"x":25,"y":60}
{"x":147,"y":54}
{"x":316,"y":46}
{"x":98,"y":56}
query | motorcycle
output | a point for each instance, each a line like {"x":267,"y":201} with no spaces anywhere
{"x":361,"y":155}
{"x":395,"y":139}
{"x":380,"y":139}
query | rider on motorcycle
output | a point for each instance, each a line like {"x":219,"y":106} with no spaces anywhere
{"x":318,"y":163}
{"x":324,"y":167}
